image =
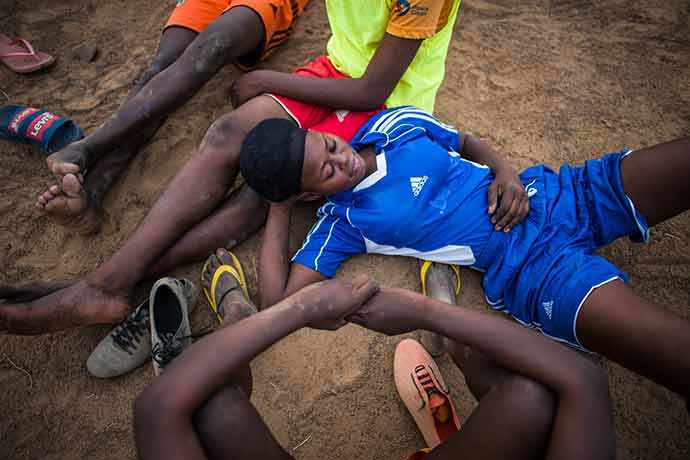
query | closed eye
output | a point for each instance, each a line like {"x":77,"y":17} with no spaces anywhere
{"x":329,"y":170}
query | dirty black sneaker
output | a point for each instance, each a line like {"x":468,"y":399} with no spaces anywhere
{"x":127,"y":347}
{"x":169,"y":305}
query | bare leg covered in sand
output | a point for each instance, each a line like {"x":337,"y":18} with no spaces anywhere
{"x":184,"y":63}
{"x":183,"y":225}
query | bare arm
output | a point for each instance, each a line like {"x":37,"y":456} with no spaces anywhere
{"x":369,"y":92}
{"x":583,"y":427}
{"x":193,"y":377}
{"x":278,"y":278}
{"x":508,"y":201}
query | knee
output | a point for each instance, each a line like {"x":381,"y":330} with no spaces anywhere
{"x":255,"y":202}
{"x":224,"y":409}
{"x":531,"y":401}
{"x":212,"y":52}
{"x":222,"y":135}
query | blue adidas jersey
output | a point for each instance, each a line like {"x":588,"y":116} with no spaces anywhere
{"x":427,"y":202}
{"x":424,"y":200}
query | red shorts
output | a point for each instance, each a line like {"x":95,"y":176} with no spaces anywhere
{"x":341,"y":123}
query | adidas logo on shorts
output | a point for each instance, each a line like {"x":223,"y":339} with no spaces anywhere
{"x":417,"y":184}
{"x":548,"y":308}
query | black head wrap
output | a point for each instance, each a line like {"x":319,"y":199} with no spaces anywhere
{"x":272,"y":157}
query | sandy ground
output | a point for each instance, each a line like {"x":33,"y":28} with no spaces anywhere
{"x":546,"y":81}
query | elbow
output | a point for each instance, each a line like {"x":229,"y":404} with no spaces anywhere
{"x":373,"y":96}
{"x":587,"y":381}
{"x":593,"y":376}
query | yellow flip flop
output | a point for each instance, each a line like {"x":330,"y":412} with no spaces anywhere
{"x":235,"y":270}
{"x":426,"y":265}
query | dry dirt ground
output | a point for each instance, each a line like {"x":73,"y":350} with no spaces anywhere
{"x":543,"y":81}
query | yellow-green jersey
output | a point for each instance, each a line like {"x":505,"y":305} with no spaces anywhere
{"x":358,"y":26}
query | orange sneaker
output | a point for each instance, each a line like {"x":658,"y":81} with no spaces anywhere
{"x":422,"y":389}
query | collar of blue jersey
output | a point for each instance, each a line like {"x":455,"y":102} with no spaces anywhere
{"x":367,"y":135}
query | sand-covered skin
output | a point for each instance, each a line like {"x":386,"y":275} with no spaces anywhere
{"x":545,"y":81}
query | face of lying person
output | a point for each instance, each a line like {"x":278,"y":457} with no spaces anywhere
{"x":331,"y":165}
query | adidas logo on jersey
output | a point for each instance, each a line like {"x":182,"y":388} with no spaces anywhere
{"x":417,"y":184}
{"x":548,"y":308}
{"x":341,"y":115}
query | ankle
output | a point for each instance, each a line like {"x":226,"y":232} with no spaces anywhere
{"x":236,"y":307}
{"x":108,"y":281}
{"x":88,"y":152}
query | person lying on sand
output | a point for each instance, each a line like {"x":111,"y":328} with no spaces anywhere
{"x":410,"y":185}
{"x":394,"y":57}
{"x":200,"y":37}
{"x":399,"y":42}
{"x":559,"y":404}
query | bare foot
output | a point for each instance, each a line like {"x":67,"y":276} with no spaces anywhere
{"x":232,"y":304}
{"x":26,"y":292}
{"x":81,"y":304}
{"x":70,"y":206}
{"x":70,"y":160}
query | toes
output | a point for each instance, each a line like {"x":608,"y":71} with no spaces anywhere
{"x":71,"y":185}
{"x":209,"y":270}
{"x":61,"y":169}
{"x":213,"y":263}
{"x":56,"y":204}
{"x":45,"y":198}
{"x":54,"y":190}
{"x":220,"y":257}
{"x":224,"y":256}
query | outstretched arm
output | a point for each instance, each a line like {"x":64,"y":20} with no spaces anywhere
{"x":368,"y":92}
{"x":208,"y":365}
{"x":328,"y":244}
{"x":508,"y":201}
{"x":583,"y":426}
{"x":278,"y":278}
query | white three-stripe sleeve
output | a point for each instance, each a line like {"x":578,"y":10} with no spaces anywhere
{"x":399,"y":120}
{"x":330,"y":242}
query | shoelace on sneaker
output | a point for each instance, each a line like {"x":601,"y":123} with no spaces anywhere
{"x":170,"y":346}
{"x":167,"y":349}
{"x":128,"y":333}
{"x":422,"y":376}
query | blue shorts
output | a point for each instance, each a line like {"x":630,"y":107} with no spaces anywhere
{"x":549,"y":267}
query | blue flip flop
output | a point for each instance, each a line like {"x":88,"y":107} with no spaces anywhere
{"x":38,"y":127}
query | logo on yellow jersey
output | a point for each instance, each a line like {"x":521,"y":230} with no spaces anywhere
{"x":402,"y":7}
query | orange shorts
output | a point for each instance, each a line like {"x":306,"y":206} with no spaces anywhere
{"x":278,"y":17}
{"x":341,"y":123}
